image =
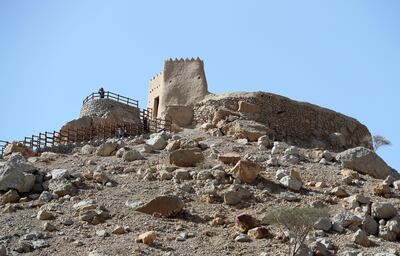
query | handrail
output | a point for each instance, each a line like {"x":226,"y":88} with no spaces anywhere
{"x":113,"y":96}
{"x":48,"y":140}
{"x":3,"y":145}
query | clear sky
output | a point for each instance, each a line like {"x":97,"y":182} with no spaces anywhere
{"x":343,"y":55}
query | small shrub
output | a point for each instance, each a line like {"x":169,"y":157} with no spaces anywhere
{"x":379,"y":140}
{"x":297,"y":221}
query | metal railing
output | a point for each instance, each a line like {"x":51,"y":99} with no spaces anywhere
{"x":3,"y":145}
{"x":113,"y":96}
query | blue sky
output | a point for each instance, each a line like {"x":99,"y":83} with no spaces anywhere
{"x":343,"y":55}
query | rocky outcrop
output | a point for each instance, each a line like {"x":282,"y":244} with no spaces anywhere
{"x":103,"y":112}
{"x":365,"y":161}
{"x":298,"y":123}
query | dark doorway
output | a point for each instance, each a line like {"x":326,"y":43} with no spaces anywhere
{"x":155,"y":106}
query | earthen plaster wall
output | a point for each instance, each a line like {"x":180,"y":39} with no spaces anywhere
{"x":155,"y":88}
{"x":183,"y":82}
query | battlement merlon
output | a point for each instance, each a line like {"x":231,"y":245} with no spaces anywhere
{"x":156,"y":76}
{"x":182,"y":60}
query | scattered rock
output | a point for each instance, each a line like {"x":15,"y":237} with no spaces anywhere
{"x":47,"y":226}
{"x":131,"y":155}
{"x":173,"y":145}
{"x":18,"y":147}
{"x":291,"y":183}
{"x":339,"y":192}
{"x":381,"y":189}
{"x":396,"y":184}
{"x":235,"y":194}
{"x":246,"y":171}
{"x":157,"y":141}
{"x":242,"y":238}
{"x":16,"y":174}
{"x":264,"y":141}
{"x":102,"y":233}
{"x":361,"y":238}
{"x":144,"y":148}
{"x":62,"y":187}
{"x":165,"y":206}
{"x":370,"y":226}
{"x":279,"y":147}
{"x":44,"y":215}
{"x":87,"y":150}
{"x":182,"y":174}
{"x":100,"y":177}
{"x":350,"y":173}
{"x":229,"y":158}
{"x":46,"y":196}
{"x":320,"y":184}
{"x":383,"y":210}
{"x":147,"y":238}
{"x":258,"y":233}
{"x":186,"y":157}
{"x":88,"y":211}
{"x":346,"y":219}
{"x":119,"y":230}
{"x":107,"y":148}
{"x":165,"y":175}
{"x":244,"y":222}
{"x":324,"y":224}
{"x":11,"y":196}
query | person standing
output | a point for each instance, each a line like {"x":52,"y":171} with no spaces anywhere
{"x":101,"y":92}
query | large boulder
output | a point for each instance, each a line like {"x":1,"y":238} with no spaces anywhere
{"x":179,"y":114}
{"x":246,"y":129}
{"x":62,"y":186}
{"x":132,"y":155}
{"x":107,"y":148}
{"x":246,"y":171}
{"x":165,"y":206}
{"x":157,"y":141}
{"x":16,"y":174}
{"x":383,"y":210}
{"x":186,"y":157}
{"x":18,"y":147}
{"x":365,"y":161}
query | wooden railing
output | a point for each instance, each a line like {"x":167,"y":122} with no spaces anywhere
{"x":3,"y":145}
{"x":113,"y":96}
{"x":47,"y":140}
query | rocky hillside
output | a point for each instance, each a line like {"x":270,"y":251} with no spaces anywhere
{"x":195,"y":192}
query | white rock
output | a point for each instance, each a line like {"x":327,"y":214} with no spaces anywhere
{"x":157,"y":141}
{"x":291,"y":183}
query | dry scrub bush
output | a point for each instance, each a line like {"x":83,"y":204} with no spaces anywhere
{"x":298,"y":222}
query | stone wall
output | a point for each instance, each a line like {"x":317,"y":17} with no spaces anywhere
{"x":298,"y":123}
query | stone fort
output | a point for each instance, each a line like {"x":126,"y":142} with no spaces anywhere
{"x":181,"y":83}
{"x":180,"y":93}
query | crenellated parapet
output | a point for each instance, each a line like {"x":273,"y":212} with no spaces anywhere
{"x":183,"y":60}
